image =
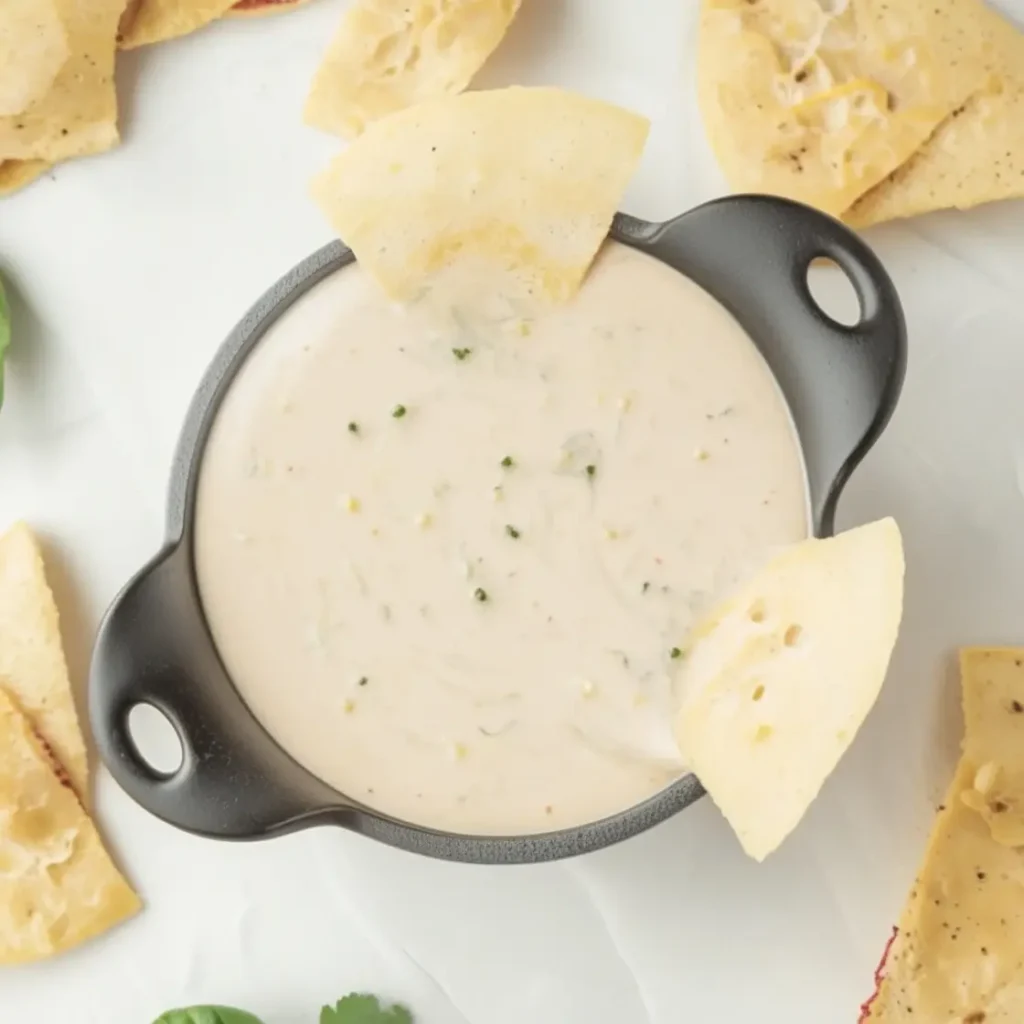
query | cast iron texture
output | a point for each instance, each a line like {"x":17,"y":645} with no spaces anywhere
{"x":752,"y":253}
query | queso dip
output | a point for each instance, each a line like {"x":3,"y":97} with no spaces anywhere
{"x":452,"y":569}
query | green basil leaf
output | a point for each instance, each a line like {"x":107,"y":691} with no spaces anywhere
{"x":362,"y":1009}
{"x":208,"y":1015}
{"x":5,"y":335}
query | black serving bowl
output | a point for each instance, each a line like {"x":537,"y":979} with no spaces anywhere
{"x":752,"y":253}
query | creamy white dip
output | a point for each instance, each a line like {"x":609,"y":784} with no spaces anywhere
{"x":453,"y":572}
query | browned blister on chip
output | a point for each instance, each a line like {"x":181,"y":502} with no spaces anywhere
{"x":58,"y":886}
{"x":819,"y":102}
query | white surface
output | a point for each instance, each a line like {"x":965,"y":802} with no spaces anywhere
{"x":128,"y":271}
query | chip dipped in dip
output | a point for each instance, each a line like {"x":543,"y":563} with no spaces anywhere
{"x":452,"y":567}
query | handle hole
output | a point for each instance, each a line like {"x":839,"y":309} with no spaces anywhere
{"x":155,"y":739}
{"x":833,"y":292}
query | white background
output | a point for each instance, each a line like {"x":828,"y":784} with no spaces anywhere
{"x":129,"y":269}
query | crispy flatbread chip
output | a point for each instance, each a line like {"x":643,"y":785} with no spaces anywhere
{"x":780,"y":678}
{"x":58,"y":887}
{"x":388,"y":56}
{"x":78,"y":115}
{"x":155,"y":21}
{"x":959,"y":950}
{"x":33,"y":48}
{"x":820,"y":102}
{"x":32,"y":665}
{"x":975,"y":157}
{"x":16,"y":174}
{"x":516,"y":187}
{"x":994,"y":738}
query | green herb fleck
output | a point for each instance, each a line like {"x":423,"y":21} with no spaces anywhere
{"x":591,"y":471}
{"x":508,"y":462}
{"x":361,"y":1009}
{"x":462,"y":354}
{"x":353,"y":427}
{"x":645,"y":587}
{"x":480,"y":594}
{"x":399,"y":411}
{"x":675,"y":653}
{"x":363,"y":681}
{"x":5,"y":335}
{"x":513,"y":532}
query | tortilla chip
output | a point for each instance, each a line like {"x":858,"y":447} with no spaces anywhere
{"x":79,"y":114}
{"x":956,"y":956}
{"x":58,"y":887}
{"x":158,"y":20}
{"x":957,"y":953}
{"x":820,"y":102}
{"x":756,"y":722}
{"x":260,"y":8}
{"x":32,"y":665}
{"x":994,"y":740}
{"x":976,"y":156}
{"x":387,"y":56}
{"x":519,"y":184}
{"x":33,"y":48}
{"x":16,"y":174}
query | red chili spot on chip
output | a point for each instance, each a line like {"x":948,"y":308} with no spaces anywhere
{"x":58,"y":769}
{"x":865,"y":1010}
{"x":255,"y":5}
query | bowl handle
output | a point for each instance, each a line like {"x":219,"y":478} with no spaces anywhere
{"x":842,"y":383}
{"x":233,"y":782}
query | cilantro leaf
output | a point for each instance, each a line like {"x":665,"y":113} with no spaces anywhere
{"x":207,"y":1015}
{"x":5,"y":335}
{"x":362,"y":1009}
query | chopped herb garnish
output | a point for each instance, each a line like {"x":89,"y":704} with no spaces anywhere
{"x":675,"y":653}
{"x":591,"y":470}
{"x":645,"y":587}
{"x":508,"y":462}
{"x":480,"y":594}
{"x":363,"y":681}
{"x":513,"y":532}
{"x":399,"y":411}
{"x":353,"y":427}
{"x":462,"y":353}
